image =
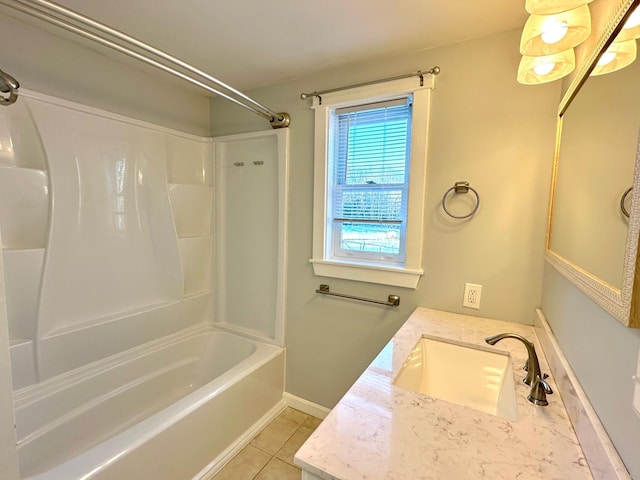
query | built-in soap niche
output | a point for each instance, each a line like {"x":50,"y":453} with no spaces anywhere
{"x":24,"y":182}
{"x":20,"y":145}
{"x":24,"y":208}
{"x":22,"y":269}
{"x":196,"y":254}
{"x":189,"y":161}
{"x":23,"y":363}
{"x":190,"y":175}
{"x":24,"y":221}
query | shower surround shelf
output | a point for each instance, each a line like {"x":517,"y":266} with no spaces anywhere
{"x":23,"y":270}
{"x":189,"y":161}
{"x":24,"y":207}
{"x":21,"y":147}
{"x":21,"y":168}
{"x":196,"y":256}
{"x":23,"y":367}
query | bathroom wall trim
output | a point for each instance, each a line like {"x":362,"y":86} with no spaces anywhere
{"x":599,"y":451}
{"x":306,"y":406}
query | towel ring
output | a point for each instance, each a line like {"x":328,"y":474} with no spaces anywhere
{"x":623,"y":198}
{"x":460,"y":187}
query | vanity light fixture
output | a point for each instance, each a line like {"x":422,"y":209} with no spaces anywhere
{"x":547,"y":68}
{"x":548,"y":7}
{"x":548,"y":34}
{"x":617,"y":56}
{"x":631,"y":29}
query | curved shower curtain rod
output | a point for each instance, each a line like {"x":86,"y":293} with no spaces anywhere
{"x":83,"y":26}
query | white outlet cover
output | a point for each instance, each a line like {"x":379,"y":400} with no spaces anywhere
{"x":472,"y":295}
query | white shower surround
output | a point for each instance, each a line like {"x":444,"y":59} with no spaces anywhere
{"x":153,"y":320}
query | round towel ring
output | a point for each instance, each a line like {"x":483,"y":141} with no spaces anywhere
{"x":622,"y":200}
{"x":460,"y":187}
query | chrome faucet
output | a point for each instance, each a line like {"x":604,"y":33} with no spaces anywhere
{"x":539,"y":386}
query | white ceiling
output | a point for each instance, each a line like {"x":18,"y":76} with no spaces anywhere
{"x":250,"y":43}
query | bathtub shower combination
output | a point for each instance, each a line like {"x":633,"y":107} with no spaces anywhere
{"x":144,"y":296}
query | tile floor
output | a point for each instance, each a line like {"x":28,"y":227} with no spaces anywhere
{"x":269,"y":456}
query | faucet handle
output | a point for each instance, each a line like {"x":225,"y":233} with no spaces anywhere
{"x":539,"y":390}
{"x":545,"y":385}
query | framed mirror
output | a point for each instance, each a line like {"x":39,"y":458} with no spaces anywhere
{"x":594,"y":219}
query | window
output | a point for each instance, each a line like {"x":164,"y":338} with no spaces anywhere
{"x":370,"y":166}
{"x":369,"y":181}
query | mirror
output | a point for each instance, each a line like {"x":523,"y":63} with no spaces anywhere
{"x":590,"y":239}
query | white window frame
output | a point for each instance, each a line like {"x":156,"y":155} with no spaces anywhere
{"x":324,"y":265}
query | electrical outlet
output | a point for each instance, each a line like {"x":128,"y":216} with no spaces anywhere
{"x":472,"y":294}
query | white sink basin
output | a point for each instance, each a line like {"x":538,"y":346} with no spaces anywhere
{"x":459,"y":373}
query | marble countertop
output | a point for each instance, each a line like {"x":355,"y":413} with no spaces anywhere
{"x":381,"y":431}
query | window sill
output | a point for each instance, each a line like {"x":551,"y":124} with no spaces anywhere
{"x":398,"y":277}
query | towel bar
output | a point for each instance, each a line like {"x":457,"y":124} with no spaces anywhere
{"x":392,"y":301}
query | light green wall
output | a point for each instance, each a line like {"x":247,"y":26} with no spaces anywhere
{"x":487,"y":129}
{"x":56,"y":66}
{"x":603,"y":354}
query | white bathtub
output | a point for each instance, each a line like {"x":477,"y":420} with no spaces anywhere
{"x":166,"y":410}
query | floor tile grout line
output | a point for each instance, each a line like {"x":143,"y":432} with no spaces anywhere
{"x":277,"y":451}
{"x":272,"y":456}
{"x":263,"y":467}
{"x":280,"y":448}
{"x":283,"y":445}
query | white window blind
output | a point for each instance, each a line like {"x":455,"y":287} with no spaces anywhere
{"x":370,"y":178}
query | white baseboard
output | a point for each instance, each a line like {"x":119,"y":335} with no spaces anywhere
{"x":305,"y":406}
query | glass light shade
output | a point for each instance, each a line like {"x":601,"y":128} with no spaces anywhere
{"x":549,"y":34}
{"x":549,"y":7}
{"x":631,"y":29}
{"x":617,"y":56}
{"x":536,"y":70}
